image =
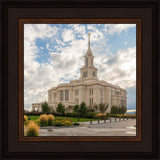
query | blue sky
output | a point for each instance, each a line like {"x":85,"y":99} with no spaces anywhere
{"x":53,"y":54}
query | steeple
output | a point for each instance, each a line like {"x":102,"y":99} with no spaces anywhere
{"x":89,"y":52}
{"x":88,"y":71}
{"x":88,"y":41}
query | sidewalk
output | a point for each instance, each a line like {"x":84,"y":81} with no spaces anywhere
{"x":119,"y":128}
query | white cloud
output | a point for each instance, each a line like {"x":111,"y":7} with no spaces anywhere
{"x":118,"y":69}
{"x":117,"y":28}
{"x":67,"y":35}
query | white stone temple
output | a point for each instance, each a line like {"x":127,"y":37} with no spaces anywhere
{"x":86,"y":89}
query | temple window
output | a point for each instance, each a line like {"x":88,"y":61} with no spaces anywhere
{"x":91,"y":101}
{"x":91,"y":91}
{"x":85,"y":74}
{"x":61,"y":95}
{"x":66,"y":95}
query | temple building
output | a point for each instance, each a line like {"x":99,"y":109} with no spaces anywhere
{"x":86,"y":89}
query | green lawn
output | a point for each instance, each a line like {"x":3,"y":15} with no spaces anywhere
{"x":74,"y":119}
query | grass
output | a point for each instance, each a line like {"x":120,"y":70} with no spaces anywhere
{"x":74,"y":119}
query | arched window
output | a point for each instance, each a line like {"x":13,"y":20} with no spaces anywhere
{"x":85,"y":74}
{"x":86,"y":61}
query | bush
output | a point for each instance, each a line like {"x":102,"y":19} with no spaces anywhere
{"x":118,"y":110}
{"x":76,"y":109}
{"x":100,"y":116}
{"x":82,"y":109}
{"x":26,"y":123}
{"x":50,"y":119}
{"x":37,"y":122}
{"x":43,"y":120}
{"x":34,"y":113}
{"x":58,"y":123}
{"x":110,"y":115}
{"x":90,"y":109}
{"x":45,"y":107}
{"x":25,"y":118}
{"x":121,"y":115}
{"x":103,"y":107}
{"x":95,"y":107}
{"x":68,"y":123}
{"x":69,"y":109}
{"x":57,"y":114}
{"x":62,"y":122}
{"x":123,"y":109}
{"x":90,"y":115}
{"x":32,"y":130}
{"x":60,"y":108}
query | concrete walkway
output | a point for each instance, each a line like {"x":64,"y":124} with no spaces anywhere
{"x":118,"y":128}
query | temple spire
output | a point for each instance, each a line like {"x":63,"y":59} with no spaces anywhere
{"x":89,"y":41}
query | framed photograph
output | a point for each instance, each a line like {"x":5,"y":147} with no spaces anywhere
{"x":80,"y":80}
{"x":86,"y":108}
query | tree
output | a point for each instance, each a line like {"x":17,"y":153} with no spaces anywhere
{"x":103,"y":107}
{"x":118,"y":110}
{"x":82,"y":109}
{"x":45,"y":107}
{"x":69,"y":109}
{"x":95,"y":107}
{"x":76,"y":109}
{"x":60,"y":108}
{"x":123,"y":109}
{"x":114,"y":110}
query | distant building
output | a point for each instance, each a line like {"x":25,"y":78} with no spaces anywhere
{"x":86,"y":89}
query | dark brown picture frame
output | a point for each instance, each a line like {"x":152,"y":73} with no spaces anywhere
{"x":145,"y":146}
{"x":80,"y":21}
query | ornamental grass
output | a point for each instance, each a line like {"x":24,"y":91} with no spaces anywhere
{"x":100,"y":116}
{"x":32,"y":130}
{"x":25,"y":118}
{"x":43,"y":120}
{"x":50,"y":119}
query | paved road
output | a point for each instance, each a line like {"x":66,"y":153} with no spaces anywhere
{"x":120,"y":128}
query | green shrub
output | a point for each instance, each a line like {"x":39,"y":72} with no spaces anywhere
{"x":90,"y":115}
{"x":118,"y":110}
{"x":50,"y":119}
{"x":43,"y":120}
{"x":76,"y":109}
{"x":103,"y":107}
{"x":32,"y":130}
{"x":60,"y":108}
{"x":82,"y":109}
{"x":45,"y":107}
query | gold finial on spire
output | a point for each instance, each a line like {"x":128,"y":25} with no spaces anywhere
{"x":88,"y":40}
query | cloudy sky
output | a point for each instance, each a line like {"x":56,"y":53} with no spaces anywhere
{"x":53,"y":54}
